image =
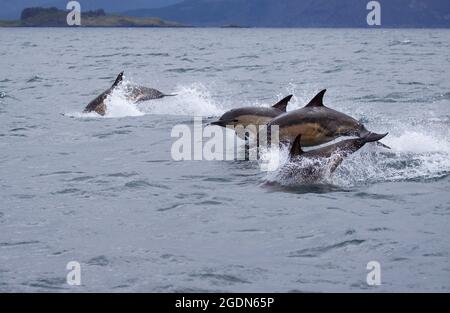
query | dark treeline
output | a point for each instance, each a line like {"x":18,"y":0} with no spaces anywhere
{"x":54,"y":17}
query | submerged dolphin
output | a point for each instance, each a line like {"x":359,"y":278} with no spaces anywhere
{"x":332,"y":154}
{"x":132,"y":93}
{"x":253,"y":115}
{"x":317,"y":124}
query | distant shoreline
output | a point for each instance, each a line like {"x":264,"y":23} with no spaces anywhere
{"x":94,"y":26}
{"x":237,"y":14}
{"x":53,"y":17}
{"x":18,"y":24}
{"x":222,"y":27}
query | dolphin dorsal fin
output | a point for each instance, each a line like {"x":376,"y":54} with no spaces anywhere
{"x":317,"y":101}
{"x":118,"y":79}
{"x":282,"y":104}
{"x":296,"y":148}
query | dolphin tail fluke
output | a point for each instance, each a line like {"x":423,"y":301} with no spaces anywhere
{"x":282,"y":104}
{"x":296,"y":148}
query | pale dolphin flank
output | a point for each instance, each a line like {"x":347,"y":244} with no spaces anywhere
{"x":253,"y":115}
{"x":132,"y":93}
{"x":98,"y":104}
{"x":334,"y":153}
{"x":317,"y":124}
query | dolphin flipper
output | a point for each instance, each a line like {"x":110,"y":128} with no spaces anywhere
{"x":296,"y":148}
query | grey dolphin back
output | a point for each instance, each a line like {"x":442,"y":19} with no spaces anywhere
{"x":282,"y":104}
{"x":98,"y":104}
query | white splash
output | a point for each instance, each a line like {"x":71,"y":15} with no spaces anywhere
{"x":119,"y":105}
{"x":415,"y":156}
{"x":190,"y":100}
{"x":413,"y":141}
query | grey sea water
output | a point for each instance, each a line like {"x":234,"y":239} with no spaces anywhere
{"x":104,"y":191}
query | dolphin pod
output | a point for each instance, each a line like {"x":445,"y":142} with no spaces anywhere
{"x":316,"y":123}
{"x":132,"y":93}
{"x":313,"y":125}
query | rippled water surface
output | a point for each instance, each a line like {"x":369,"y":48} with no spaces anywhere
{"x":105,"y":191}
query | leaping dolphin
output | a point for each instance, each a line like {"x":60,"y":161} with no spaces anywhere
{"x":132,"y":93}
{"x":253,"y":115}
{"x":98,"y":104}
{"x":337,"y":152}
{"x":317,"y":124}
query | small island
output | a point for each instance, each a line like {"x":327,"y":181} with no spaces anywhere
{"x":53,"y":17}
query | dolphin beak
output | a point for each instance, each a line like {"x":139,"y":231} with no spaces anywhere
{"x":370,"y":136}
{"x":374,"y":137}
{"x":364,"y":133}
{"x":218,"y":123}
{"x":223,"y":123}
